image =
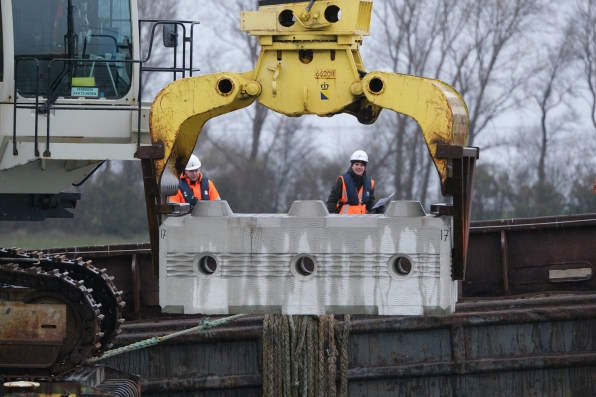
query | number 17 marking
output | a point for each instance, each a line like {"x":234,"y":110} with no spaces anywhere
{"x":444,"y":234}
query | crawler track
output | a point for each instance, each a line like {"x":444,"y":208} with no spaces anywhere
{"x":93,"y":303}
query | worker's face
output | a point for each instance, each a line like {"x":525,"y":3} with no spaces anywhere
{"x":193,"y":175}
{"x":358,"y":167}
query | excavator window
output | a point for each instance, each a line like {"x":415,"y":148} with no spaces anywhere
{"x":72,"y":48}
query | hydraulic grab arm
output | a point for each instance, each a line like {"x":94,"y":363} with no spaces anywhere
{"x":310,"y":64}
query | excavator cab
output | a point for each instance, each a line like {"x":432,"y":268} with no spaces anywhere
{"x":71,"y":90}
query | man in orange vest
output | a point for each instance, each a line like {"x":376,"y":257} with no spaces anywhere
{"x":194,"y":186}
{"x":353,"y":192}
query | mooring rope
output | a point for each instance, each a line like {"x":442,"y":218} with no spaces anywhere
{"x":331,"y":357}
{"x":321,"y":357}
{"x":300,"y":353}
{"x":312,"y":356}
{"x":268,"y":351}
{"x":286,"y":351}
{"x":205,"y":325}
{"x":343,"y":346}
{"x":292,"y":359}
{"x":302,"y":356}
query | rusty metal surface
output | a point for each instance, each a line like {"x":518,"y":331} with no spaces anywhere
{"x":543,"y":346}
{"x":225,"y":361}
{"x":132,"y":268}
{"x":31,"y":335}
{"x":520,"y":256}
{"x":92,"y":318}
{"x":459,"y":186}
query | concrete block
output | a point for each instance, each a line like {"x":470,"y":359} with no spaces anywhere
{"x":307,"y":261}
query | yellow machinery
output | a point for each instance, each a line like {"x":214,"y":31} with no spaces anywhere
{"x":310,"y":64}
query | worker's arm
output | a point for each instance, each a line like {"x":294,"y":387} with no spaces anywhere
{"x":177,"y":198}
{"x":213,"y":193}
{"x":371,"y":199}
{"x":334,"y":197}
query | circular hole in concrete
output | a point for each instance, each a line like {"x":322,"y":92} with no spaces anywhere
{"x":402,"y":265}
{"x":304,"y":266}
{"x":207,"y":265}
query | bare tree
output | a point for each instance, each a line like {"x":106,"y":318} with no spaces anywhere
{"x":583,"y":23}
{"x":488,"y":66}
{"x":476,"y":47}
{"x":552,"y":91}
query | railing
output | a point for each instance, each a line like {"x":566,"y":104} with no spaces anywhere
{"x":51,"y":92}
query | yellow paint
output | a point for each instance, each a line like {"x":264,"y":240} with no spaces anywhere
{"x":83,"y":81}
{"x":296,"y":65}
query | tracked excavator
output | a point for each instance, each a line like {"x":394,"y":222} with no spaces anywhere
{"x":70,"y":99}
{"x":70,"y":96}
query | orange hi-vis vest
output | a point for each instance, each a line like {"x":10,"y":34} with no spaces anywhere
{"x":203,"y":189}
{"x":356,"y":208}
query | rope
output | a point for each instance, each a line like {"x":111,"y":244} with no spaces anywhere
{"x":312,"y":344}
{"x":331,"y":357}
{"x":268,"y":349}
{"x":321,"y":358}
{"x":301,"y":355}
{"x":205,"y":325}
{"x":301,"y":360}
{"x":343,"y":361}
{"x":308,"y":356}
{"x":292,"y":357}
{"x":272,"y":354}
{"x":286,"y":354}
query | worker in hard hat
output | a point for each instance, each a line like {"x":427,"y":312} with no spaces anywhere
{"x":353,"y":192}
{"x":194,"y":186}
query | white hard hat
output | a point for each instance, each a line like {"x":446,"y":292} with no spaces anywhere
{"x":193,"y":163}
{"x":359,"y":155}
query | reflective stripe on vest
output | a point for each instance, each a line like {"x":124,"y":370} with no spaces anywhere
{"x":348,"y":206}
{"x":188,"y":193}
